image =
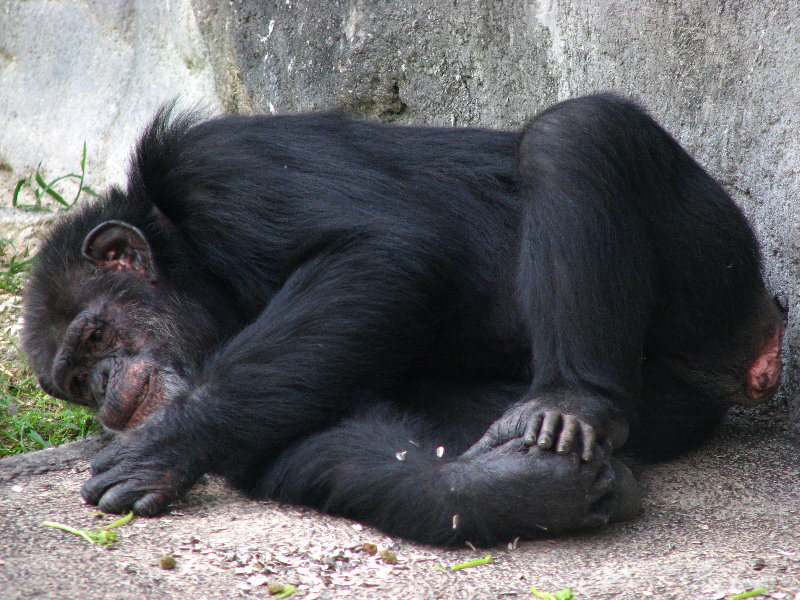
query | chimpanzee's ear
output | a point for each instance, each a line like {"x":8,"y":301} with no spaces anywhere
{"x":119,"y":246}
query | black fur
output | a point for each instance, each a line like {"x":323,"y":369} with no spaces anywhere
{"x":336,"y":300}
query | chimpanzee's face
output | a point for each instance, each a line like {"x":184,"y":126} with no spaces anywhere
{"x":108,"y":332}
{"x":115,"y":356}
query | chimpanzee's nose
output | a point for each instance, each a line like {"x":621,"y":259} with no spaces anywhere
{"x":99,"y":381}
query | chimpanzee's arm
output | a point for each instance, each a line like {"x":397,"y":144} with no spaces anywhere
{"x":344,"y":323}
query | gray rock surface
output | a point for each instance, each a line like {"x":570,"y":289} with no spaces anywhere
{"x":94,"y":72}
{"x":723,"y":77}
{"x":721,"y":521}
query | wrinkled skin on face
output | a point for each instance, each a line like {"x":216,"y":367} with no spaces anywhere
{"x":116,"y":336}
{"x":108,"y":363}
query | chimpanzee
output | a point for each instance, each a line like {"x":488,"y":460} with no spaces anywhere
{"x":445,"y":333}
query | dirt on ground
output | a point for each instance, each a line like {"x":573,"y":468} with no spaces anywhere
{"x":724,"y":520}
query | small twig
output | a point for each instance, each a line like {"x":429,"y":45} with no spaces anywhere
{"x":474,"y":563}
{"x":752,"y":594}
{"x":288,"y":590}
{"x":79,"y":532}
{"x":103,"y":536}
{"x":123,"y":520}
{"x":562,"y":595}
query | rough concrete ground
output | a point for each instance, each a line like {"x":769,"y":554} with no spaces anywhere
{"x":723,"y":520}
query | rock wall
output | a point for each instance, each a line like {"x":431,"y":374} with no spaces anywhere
{"x":93,"y":71}
{"x":723,"y":77}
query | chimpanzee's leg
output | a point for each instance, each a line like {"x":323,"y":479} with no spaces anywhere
{"x":585,"y":279}
{"x":388,"y":469}
{"x":631,"y":254}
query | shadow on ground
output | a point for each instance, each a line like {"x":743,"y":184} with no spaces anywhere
{"x":724,"y":520}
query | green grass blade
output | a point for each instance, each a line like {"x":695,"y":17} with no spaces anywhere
{"x":55,"y":195}
{"x":15,"y":197}
{"x":38,"y":439}
{"x":83,"y":174}
{"x":38,"y":176}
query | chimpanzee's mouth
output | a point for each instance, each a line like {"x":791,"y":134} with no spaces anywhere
{"x":145,"y":406}
{"x":126,"y":405}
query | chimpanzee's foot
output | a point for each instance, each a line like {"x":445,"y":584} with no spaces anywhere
{"x":520,"y":490}
{"x":764,"y":374}
{"x":513,"y":490}
{"x":626,"y":493}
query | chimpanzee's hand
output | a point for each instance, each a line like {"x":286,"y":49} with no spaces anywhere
{"x":142,"y":473}
{"x":564,"y":421}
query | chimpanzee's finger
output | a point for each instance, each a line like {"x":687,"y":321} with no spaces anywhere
{"x":485,"y":444}
{"x":589,"y":440}
{"x":151,"y":504}
{"x":550,"y":425}
{"x":120,"y":498}
{"x":532,"y":428}
{"x":92,"y":491}
{"x":105,"y":459}
{"x":569,"y":434}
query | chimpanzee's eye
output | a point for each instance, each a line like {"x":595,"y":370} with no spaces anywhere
{"x":78,"y":381}
{"x":97,"y":336}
